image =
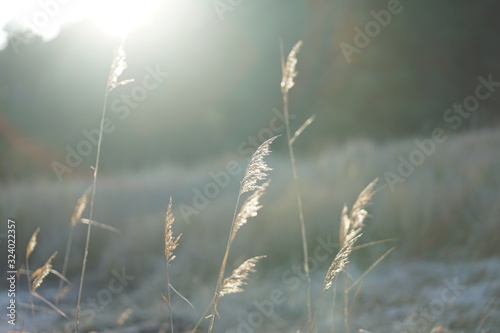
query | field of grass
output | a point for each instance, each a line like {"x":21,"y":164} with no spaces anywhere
{"x":362,"y":236}
{"x":444,"y":216}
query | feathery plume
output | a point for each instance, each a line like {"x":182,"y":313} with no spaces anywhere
{"x":32,"y":243}
{"x":351,"y":224}
{"x":42,"y":272}
{"x":288,"y":69}
{"x":171,"y":242}
{"x":340,"y":261}
{"x":249,"y":208}
{"x":256,"y":169}
{"x":238,"y":278}
{"x":80,"y":207}
{"x":117,"y":67}
{"x":345,"y":225}
{"x":358,"y":212}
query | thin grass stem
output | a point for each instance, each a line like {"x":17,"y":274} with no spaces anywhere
{"x":223,"y":267}
{"x":287,"y":82}
{"x":92,"y":197}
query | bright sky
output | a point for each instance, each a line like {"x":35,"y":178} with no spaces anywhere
{"x":46,"y":16}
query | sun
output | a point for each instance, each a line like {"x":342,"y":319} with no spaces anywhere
{"x":117,"y":17}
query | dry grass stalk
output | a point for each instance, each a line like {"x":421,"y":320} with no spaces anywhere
{"x":351,"y":226}
{"x":302,"y":128}
{"x":42,"y":272}
{"x":255,"y":172}
{"x":100,"y":225}
{"x":289,"y":73}
{"x":256,"y":169}
{"x":171,"y":242}
{"x":75,"y":219}
{"x":249,"y":208}
{"x":60,"y":276}
{"x":55,"y":308}
{"x":117,"y":67}
{"x":32,"y":243}
{"x":233,"y":283}
{"x":372,"y":266}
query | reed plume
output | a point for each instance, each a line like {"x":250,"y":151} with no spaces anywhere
{"x":31,"y":244}
{"x":171,"y":242}
{"x":118,"y":65}
{"x":351,"y":225}
{"x":238,"y":277}
{"x":256,"y":168}
{"x":80,"y":207}
{"x":249,"y":208}
{"x":40,"y":274}
{"x":339,"y":262}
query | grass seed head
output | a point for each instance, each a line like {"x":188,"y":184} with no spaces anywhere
{"x":42,"y":272}
{"x":238,"y":278}
{"x":171,"y":242}
{"x":80,"y":207}
{"x":32,"y":243}
{"x":257,"y":167}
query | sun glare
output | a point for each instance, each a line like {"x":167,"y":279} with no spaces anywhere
{"x":119,"y":17}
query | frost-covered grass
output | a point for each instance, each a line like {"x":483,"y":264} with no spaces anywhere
{"x":446,"y":209}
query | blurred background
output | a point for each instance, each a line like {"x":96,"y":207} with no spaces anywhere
{"x":377,"y":75}
{"x":223,"y":77}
